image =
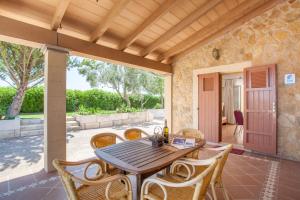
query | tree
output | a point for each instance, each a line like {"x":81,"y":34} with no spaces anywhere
{"x":22,"y":68}
{"x":154,"y":85}
{"x":125,"y":81}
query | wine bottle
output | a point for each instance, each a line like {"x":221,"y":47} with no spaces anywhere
{"x":166,"y":132}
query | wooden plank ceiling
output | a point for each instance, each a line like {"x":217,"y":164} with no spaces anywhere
{"x":158,"y":30}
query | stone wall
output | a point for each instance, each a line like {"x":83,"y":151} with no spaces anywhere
{"x":117,"y":119}
{"x":273,"y":37}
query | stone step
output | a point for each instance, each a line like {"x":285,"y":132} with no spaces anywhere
{"x":32,"y":127}
{"x":31,"y":121}
{"x":38,"y":121}
{"x":70,"y":118}
{"x":73,"y":128}
{"x":41,"y":131}
{"x":32,"y":132}
{"x":41,"y":126}
{"x":72,"y":123}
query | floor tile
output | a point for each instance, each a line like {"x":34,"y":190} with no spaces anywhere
{"x":239,"y":192}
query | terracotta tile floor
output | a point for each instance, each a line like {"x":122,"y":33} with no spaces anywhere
{"x":245,"y":177}
{"x":229,"y":137}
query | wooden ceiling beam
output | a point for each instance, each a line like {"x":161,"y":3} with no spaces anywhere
{"x":108,"y":20}
{"x":59,"y":14}
{"x":235,"y":18}
{"x":162,"y":10}
{"x":10,"y":28}
{"x":180,"y":26}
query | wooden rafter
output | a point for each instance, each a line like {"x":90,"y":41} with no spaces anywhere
{"x":25,"y":32}
{"x":163,"y":9}
{"x":236,"y":17}
{"x":59,"y":13}
{"x":180,"y":26}
{"x":108,"y":20}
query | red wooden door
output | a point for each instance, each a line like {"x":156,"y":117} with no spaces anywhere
{"x":209,"y":106}
{"x":260,"y":109}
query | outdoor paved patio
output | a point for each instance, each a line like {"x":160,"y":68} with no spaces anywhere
{"x":245,"y":176}
{"x":24,"y":155}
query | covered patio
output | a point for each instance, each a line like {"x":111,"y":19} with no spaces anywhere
{"x":193,"y":44}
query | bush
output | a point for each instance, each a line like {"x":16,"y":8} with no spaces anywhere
{"x":6,"y":97}
{"x":90,"y":111}
{"x":33,"y":101}
{"x":2,"y":112}
{"x":158,"y":106}
{"x":125,"y":109}
{"x":88,"y":101}
{"x":150,"y":101}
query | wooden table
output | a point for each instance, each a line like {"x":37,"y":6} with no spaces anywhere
{"x":140,"y":159}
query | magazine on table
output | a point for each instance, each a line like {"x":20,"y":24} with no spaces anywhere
{"x":183,"y":143}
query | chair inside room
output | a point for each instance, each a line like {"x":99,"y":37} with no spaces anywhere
{"x":239,"y":121}
{"x":135,"y":134}
{"x":85,"y":186}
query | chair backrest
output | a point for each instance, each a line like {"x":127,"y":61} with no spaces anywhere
{"x":221,"y":163}
{"x":66,"y":179}
{"x":239,"y":119}
{"x":189,"y":132}
{"x":104,"y":139}
{"x":134,"y":134}
{"x":203,"y":181}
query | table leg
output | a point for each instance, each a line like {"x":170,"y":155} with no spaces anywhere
{"x":136,"y":186}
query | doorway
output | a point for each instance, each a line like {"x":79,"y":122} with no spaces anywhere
{"x":232,"y":104}
{"x":259,"y":133}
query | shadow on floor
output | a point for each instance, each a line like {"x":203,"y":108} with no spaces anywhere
{"x":25,"y":149}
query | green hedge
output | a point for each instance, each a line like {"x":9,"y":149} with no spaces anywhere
{"x":33,"y":101}
{"x":6,"y":96}
{"x":97,"y":99}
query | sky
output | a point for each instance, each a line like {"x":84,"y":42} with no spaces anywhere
{"x":74,"y":81}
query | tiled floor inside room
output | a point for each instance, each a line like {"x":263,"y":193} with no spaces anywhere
{"x":228,"y":135}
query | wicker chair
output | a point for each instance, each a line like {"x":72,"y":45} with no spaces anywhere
{"x":193,"y":167}
{"x":102,"y":140}
{"x":191,"y":133}
{"x":168,"y":187}
{"x":134,"y":134}
{"x":102,"y":186}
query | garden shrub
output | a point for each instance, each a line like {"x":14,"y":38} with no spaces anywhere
{"x":33,"y":101}
{"x":6,"y":97}
{"x":158,"y":106}
{"x":89,"y":101}
{"x":125,"y":109}
{"x":151,"y":101}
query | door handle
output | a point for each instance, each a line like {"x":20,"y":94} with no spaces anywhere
{"x":274,"y":107}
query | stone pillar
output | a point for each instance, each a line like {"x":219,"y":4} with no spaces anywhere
{"x":168,"y":100}
{"x":54,"y":105}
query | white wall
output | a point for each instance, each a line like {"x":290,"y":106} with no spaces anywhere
{"x":238,"y":81}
